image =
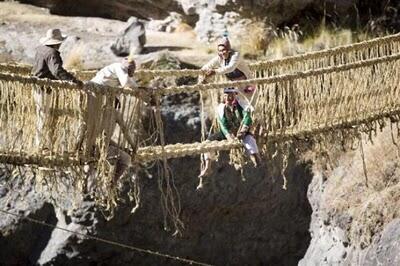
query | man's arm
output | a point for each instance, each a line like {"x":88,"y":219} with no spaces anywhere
{"x":223,"y":126}
{"x":233,"y":63}
{"x":245,"y":124}
{"x":246,"y":121}
{"x":213,"y":63}
{"x":55,"y":64}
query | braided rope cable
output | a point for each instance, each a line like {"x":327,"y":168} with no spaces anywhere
{"x":60,"y":84}
{"x":278,"y":78}
{"x":147,"y":154}
{"x":23,"y":158}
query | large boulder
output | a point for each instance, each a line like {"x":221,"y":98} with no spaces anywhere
{"x":131,"y":40}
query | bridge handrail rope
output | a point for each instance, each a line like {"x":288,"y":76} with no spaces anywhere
{"x":254,"y":66}
{"x":278,"y":78}
{"x":60,"y":84}
{"x":200,"y":87}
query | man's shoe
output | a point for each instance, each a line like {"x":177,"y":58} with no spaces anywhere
{"x":254,"y":160}
{"x":201,"y":184}
{"x":205,"y":172}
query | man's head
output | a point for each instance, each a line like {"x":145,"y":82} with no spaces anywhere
{"x":53,"y":38}
{"x":224,"y":47}
{"x":229,"y":96}
{"x":130,"y":65}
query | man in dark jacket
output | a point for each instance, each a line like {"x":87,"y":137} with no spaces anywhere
{"x":48,"y":64}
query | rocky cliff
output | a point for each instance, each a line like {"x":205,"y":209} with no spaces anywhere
{"x":355,"y":218}
{"x":211,"y":19}
{"x":343,"y":12}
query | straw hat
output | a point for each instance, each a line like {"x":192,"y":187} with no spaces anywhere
{"x":53,"y":37}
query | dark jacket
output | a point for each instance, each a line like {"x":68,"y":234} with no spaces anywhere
{"x":231,"y":120}
{"x":48,"y":64}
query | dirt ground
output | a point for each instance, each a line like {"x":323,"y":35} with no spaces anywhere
{"x":21,"y":27}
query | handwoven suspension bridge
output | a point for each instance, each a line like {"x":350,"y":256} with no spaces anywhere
{"x":338,"y":91}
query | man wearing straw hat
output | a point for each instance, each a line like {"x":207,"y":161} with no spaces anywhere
{"x":234,"y":122}
{"x":48,"y":64}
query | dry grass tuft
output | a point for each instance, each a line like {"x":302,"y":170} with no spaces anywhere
{"x":73,"y":60}
{"x":256,"y":39}
{"x":262,"y":41}
{"x":326,"y":39}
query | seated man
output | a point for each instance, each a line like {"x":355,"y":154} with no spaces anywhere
{"x":234,"y":122}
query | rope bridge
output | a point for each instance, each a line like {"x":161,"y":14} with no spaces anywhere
{"x":63,"y":126}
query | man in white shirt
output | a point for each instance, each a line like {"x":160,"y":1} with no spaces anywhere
{"x":229,"y":63}
{"x":117,"y":74}
{"x":114,"y":75}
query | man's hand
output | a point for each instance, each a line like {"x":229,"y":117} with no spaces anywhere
{"x":242,"y":132}
{"x":209,"y":72}
{"x":240,"y":135}
{"x":230,"y":137}
{"x":78,"y":82}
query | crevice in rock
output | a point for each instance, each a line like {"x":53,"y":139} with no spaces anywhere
{"x":25,"y":244}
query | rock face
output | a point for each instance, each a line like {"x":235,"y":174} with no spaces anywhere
{"x":353,"y":224}
{"x":214,"y":17}
{"x":386,"y":250}
{"x":277,"y":11}
{"x":122,"y":10}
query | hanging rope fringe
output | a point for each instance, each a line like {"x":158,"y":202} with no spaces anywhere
{"x":51,"y":124}
{"x":170,"y":200}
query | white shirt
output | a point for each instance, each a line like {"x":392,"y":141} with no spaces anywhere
{"x":246,"y":100}
{"x":114,"y":75}
{"x":236,"y":61}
